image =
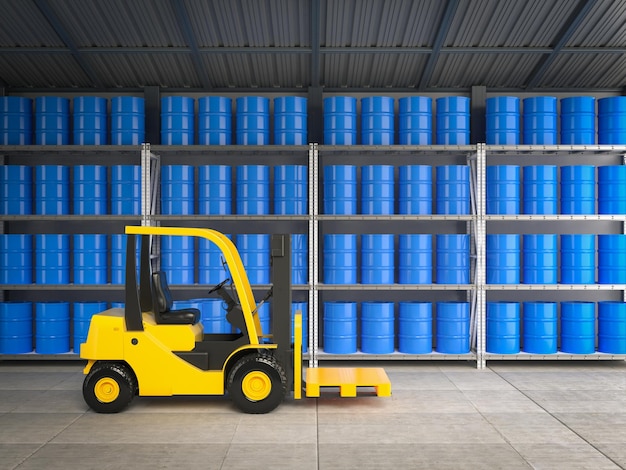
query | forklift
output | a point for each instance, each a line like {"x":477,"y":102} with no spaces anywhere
{"x":149,"y":349}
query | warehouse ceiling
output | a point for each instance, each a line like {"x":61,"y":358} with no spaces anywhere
{"x":204,"y":45}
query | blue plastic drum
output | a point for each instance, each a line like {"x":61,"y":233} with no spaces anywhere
{"x":415,"y":116}
{"x":340,"y":259}
{"x":415,"y":327}
{"x":290,"y":120}
{"x":340,"y":327}
{"x":377,"y":120}
{"x":215,"y":114}
{"x":340,"y":120}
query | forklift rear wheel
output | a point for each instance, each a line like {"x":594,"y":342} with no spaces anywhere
{"x":109,"y":388}
{"x":257,"y":384}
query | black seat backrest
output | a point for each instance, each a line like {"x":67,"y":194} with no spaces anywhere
{"x":162,"y":295}
{"x":163,"y":312}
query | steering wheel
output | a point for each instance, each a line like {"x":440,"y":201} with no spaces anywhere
{"x":219,"y":286}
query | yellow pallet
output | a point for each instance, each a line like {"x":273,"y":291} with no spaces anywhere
{"x":347,"y":379}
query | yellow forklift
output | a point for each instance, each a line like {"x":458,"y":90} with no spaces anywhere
{"x":148,"y":349}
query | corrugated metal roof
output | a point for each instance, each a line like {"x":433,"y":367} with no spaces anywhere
{"x":360,"y":44}
{"x":508,"y":23}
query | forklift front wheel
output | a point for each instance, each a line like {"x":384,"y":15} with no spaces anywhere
{"x":257,"y":384}
{"x":109,"y":388}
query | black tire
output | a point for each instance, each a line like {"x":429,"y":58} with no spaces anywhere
{"x":109,"y":387}
{"x":257,"y":383}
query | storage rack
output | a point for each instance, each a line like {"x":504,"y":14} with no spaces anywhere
{"x":607,"y":223}
{"x":394,"y":155}
{"x":314,"y":223}
{"x":70,"y":155}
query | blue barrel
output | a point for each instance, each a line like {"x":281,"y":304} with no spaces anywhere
{"x":16,"y":190}
{"x":16,"y":120}
{"x":611,"y":259}
{"x":52,"y":259}
{"x":415,"y":192}
{"x":340,"y":326}
{"x":377,"y":259}
{"x":453,"y":259}
{"x":16,"y":327}
{"x":377,"y":327}
{"x":52,"y":120}
{"x":90,"y":259}
{"x":415,"y":120}
{"x":612,"y":120}
{"x":118,"y":259}
{"x":299,"y":259}
{"x":177,"y":120}
{"x":290,"y":189}
{"x":578,"y":327}
{"x":540,"y":327}
{"x":503,"y":259}
{"x":611,"y":193}
{"x":377,"y":189}
{"x":52,"y":189}
{"x":453,"y":120}
{"x":340,"y":120}
{"x":255,"y":255}
{"x":540,"y":120}
{"x":340,"y":190}
{"x":16,"y":259}
{"x":612,"y":327}
{"x":340,"y":265}
{"x":540,"y":189}
{"x":211,"y":269}
{"x":540,"y":259}
{"x":415,"y":327}
{"x":578,"y":120}
{"x":503,"y":327}
{"x":578,"y":189}
{"x":128,"y":120}
{"x":90,"y":120}
{"x":303,"y":308}
{"x":215,"y":189}
{"x":177,"y":190}
{"x":290,"y":120}
{"x":415,"y":258}
{"x":253,"y":120}
{"x":253,"y":189}
{"x":453,"y":328}
{"x":90,"y":189}
{"x":578,"y":259}
{"x":178,"y":259}
{"x":52,"y":327}
{"x":83,"y":311}
{"x":503,"y":120}
{"x":453,"y":189}
{"x":377,"y":120}
{"x":213,"y":316}
{"x":215,"y":120}
{"x":503,"y":189}
{"x":265,"y":318}
{"x":126,"y":190}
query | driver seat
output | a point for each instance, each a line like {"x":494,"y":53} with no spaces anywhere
{"x":163,"y":312}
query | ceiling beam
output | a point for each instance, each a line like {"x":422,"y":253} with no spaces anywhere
{"x":308,"y":50}
{"x":54,"y":21}
{"x":564,"y":35}
{"x":315,"y":43}
{"x":185,"y":25}
{"x":442,"y":32}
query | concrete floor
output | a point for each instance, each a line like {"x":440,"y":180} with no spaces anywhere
{"x":549,"y":415}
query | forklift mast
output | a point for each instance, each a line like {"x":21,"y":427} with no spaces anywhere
{"x":281,"y":303}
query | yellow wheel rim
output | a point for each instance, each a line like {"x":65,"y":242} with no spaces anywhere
{"x":106,"y":390}
{"x":256,"y":385}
